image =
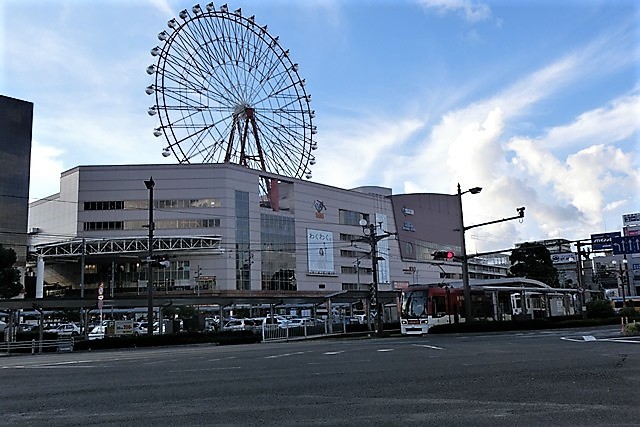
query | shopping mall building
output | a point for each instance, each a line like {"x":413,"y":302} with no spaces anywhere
{"x":227,"y":228}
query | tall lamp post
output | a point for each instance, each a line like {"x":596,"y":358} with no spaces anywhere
{"x":150,"y":184}
{"x":465,"y":264}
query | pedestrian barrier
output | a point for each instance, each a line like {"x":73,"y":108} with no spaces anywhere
{"x":36,"y":346}
{"x":276,"y":332}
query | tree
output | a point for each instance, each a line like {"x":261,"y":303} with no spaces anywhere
{"x":9,"y":277}
{"x":533,"y":261}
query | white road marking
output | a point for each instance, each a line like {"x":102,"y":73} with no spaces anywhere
{"x":284,"y":355}
{"x":385,"y":349}
{"x":332,"y":353}
{"x":571,"y":339}
{"x":429,"y":346}
{"x":623,"y":340}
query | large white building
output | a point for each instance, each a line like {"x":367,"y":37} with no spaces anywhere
{"x":227,"y":228}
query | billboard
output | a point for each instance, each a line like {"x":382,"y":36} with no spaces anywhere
{"x":564,"y":258}
{"x":631,"y":219}
{"x":320,"y":252}
{"x":603,"y":241}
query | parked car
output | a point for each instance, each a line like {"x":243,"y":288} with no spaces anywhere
{"x":137,"y":330}
{"x":3,"y":325}
{"x":66,"y":329}
{"x":97,"y":332}
{"x":278,"y":320}
{"x":300,"y":322}
{"x":240,"y":325}
{"x":27,"y":327}
{"x":142,"y":328}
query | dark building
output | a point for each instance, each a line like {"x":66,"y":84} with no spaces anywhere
{"x":16,"y":118}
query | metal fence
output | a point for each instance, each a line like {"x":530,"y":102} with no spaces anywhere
{"x":37,"y":346}
{"x":275,"y":332}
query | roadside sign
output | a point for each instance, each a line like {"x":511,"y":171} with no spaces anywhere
{"x":626,"y":245}
{"x":602,"y":241}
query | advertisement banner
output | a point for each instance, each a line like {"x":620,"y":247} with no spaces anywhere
{"x":603,"y":241}
{"x":564,"y":258}
{"x":631,"y":219}
{"x":320,"y":252}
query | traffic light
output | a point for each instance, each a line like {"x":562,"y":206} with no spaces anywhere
{"x":443,"y":255}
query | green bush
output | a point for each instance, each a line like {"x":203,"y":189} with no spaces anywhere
{"x":599,"y":309}
{"x":632,"y":329}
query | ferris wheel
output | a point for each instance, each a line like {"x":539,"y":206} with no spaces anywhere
{"x":226,"y":91}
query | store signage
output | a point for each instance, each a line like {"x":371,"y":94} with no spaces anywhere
{"x":602,"y":241}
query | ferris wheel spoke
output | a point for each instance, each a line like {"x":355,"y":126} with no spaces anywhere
{"x":199,"y":146}
{"x":227,"y":91}
{"x":182,"y":54}
{"x":277,"y":149}
{"x":178,"y":78}
{"x":205,"y":54}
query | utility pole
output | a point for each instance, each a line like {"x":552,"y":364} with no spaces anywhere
{"x":150,"y":184}
{"x":581,"y":290}
{"x":372,"y":238}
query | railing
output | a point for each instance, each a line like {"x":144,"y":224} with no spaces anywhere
{"x":274,"y":332}
{"x":37,"y":346}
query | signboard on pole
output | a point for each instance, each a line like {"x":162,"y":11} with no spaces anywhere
{"x":100,"y":298}
{"x":626,"y":245}
{"x":631,"y":219}
{"x":602,"y":241}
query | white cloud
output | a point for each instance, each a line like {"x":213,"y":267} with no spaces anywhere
{"x":471,"y":11}
{"x":358,"y":152}
{"x":565,"y":179}
{"x":46,"y":167}
{"x":614,"y":122}
{"x":164,"y":7}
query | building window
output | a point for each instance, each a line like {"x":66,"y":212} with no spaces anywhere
{"x":157,"y":204}
{"x":103,"y":205}
{"x":243,"y":252}
{"x":174,"y":224}
{"x":351,"y":217}
{"x":278,"y":252}
{"x":103,"y":225}
{"x":344,"y":237}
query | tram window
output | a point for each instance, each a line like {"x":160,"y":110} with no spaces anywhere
{"x":439,"y":306}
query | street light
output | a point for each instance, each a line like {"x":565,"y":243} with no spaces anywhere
{"x":465,"y":265}
{"x":150,"y":184}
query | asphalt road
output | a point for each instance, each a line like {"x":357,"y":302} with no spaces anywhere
{"x":551,"y":378}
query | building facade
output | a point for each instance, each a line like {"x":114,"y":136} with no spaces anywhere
{"x":224,"y":227}
{"x":16,"y":119}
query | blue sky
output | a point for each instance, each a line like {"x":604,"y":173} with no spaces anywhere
{"x":538,"y":102}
